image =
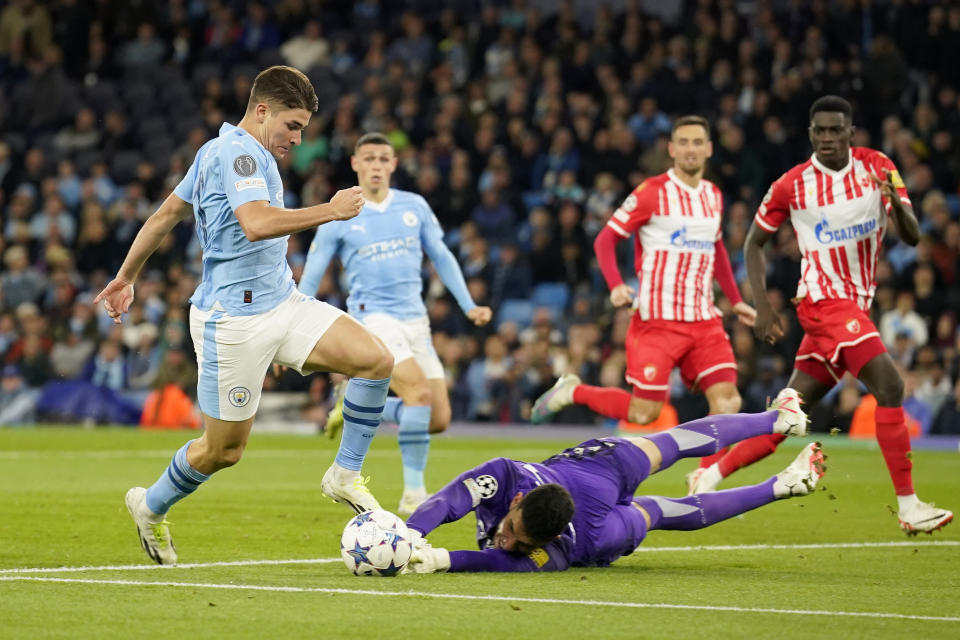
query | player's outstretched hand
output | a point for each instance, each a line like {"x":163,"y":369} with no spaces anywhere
{"x":770,"y":326}
{"x":480,"y":315}
{"x":428,"y":560}
{"x":417,"y":541}
{"x":347,"y":203}
{"x":745,"y":313}
{"x":622,"y":295}
{"x":117,"y":298}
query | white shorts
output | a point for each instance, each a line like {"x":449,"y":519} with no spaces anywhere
{"x":407,"y":339}
{"x":234,"y":352}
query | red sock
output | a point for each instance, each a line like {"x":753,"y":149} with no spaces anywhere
{"x":607,"y":401}
{"x":748,"y":452}
{"x":706,"y":461}
{"x":895,"y":444}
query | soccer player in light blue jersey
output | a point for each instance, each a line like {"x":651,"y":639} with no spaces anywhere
{"x":246,"y":312}
{"x":382,"y":252}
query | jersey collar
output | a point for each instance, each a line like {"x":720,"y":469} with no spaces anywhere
{"x":830,"y":172}
{"x":683,"y":185}
{"x":381,"y":206}
{"x":226,"y":128}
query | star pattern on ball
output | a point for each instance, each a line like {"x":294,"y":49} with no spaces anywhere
{"x":366,"y":516}
{"x":358,"y":553}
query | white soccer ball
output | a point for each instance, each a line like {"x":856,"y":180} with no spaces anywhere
{"x":375,"y":543}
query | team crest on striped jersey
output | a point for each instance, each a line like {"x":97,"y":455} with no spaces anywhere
{"x":853,"y":325}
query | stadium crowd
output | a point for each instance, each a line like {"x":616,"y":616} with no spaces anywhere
{"x":522,"y":123}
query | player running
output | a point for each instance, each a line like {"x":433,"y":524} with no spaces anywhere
{"x":675,"y":221}
{"x":246,"y":312}
{"x":838,"y":202}
{"x":578,"y":508}
{"x":382,"y":252}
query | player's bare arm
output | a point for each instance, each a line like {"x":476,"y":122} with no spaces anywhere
{"x":907,"y":225}
{"x":769,"y":326}
{"x":260,"y":221}
{"x":117,"y":296}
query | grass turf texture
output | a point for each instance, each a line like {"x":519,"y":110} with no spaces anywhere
{"x":61,"y":505}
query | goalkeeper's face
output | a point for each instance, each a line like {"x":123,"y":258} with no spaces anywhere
{"x":374,"y":164}
{"x":511,"y":534}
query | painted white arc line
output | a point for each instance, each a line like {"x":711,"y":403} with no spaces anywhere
{"x":457,"y":596}
{"x":249,"y":563}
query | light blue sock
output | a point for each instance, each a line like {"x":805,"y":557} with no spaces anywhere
{"x":362,"y":407}
{"x":414,"y":440}
{"x":179,"y":481}
{"x":393,"y":410}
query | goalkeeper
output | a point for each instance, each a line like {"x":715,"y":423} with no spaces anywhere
{"x":578,"y":507}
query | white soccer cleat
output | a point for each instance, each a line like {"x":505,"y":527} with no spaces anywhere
{"x":791,"y":421}
{"x":800,"y":478}
{"x":351,"y":491}
{"x":699,"y":481}
{"x":410,"y":500}
{"x":556,"y":399}
{"x":154,"y":536}
{"x":925,"y":517}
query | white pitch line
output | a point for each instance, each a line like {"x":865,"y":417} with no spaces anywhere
{"x":489,"y":598}
{"x":250,"y":563}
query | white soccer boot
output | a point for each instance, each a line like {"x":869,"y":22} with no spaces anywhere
{"x":348,"y":488}
{"x":411,"y":499}
{"x":800,"y":478}
{"x":153,"y":530}
{"x":557,"y":398}
{"x":791,"y":421}
{"x":703,"y":480}
{"x":925,"y":517}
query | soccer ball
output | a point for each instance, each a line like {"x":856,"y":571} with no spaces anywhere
{"x":375,"y":543}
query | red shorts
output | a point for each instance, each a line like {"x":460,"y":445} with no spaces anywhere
{"x":654,"y":347}
{"x":839,"y":337}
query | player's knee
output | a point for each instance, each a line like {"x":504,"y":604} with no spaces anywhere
{"x":890,"y":391}
{"x":226,"y":457}
{"x":728,"y":403}
{"x":439,"y":419}
{"x":376,"y":361}
{"x":643,"y":413}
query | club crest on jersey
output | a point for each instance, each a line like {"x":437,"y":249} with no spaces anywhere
{"x":410,"y":218}
{"x":487,"y":485}
{"x":649,"y":372}
{"x":244,"y":165}
{"x":826,"y":235}
{"x":239,"y":396}
{"x":679,"y":239}
{"x":853,"y":325}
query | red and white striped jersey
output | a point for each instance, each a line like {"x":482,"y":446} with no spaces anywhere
{"x":839,"y":218}
{"x":676,"y":227}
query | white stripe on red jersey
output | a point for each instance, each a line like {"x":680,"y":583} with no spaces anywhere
{"x":676,"y":228}
{"x":839,"y":218}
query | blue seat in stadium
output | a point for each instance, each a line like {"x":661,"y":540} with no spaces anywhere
{"x":555,"y":295}
{"x":520,"y":312}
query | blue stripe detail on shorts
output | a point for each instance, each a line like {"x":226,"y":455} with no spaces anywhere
{"x":208,"y":386}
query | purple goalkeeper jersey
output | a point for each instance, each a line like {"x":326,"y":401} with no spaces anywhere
{"x":601,"y":476}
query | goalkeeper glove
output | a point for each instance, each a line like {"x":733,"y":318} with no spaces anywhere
{"x":429,"y":560}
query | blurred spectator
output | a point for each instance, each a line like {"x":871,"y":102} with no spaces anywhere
{"x":107,"y":368}
{"x":17,"y":400}
{"x":947,"y":420}
{"x":903,"y":321}
{"x":20,"y":282}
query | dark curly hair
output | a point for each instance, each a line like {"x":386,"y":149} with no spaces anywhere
{"x":545,"y":512}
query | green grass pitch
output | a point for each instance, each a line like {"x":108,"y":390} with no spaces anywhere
{"x":781,"y":571}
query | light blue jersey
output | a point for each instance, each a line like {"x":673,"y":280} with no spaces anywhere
{"x":244,"y":277}
{"x":382,"y":251}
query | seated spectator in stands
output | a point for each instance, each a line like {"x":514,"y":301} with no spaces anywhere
{"x":648,"y":122}
{"x":71,"y":353}
{"x":107,"y":368}
{"x":20,"y":282}
{"x":145,"y":52}
{"x":17,"y":400}
{"x":53,"y":213}
{"x":308,"y":49}
{"x":934,"y":386}
{"x":903,"y":320}
{"x":82,"y":135}
{"x":510,"y":276}
{"x":486,"y":378}
{"x":947,"y":420}
{"x":493,"y":216}
{"x":34,"y":363}
{"x":143,"y":355}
